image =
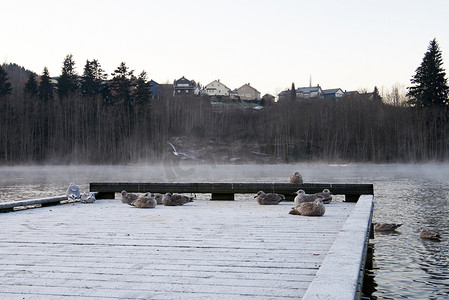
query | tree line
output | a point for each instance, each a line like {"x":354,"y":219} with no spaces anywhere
{"x":89,"y":119}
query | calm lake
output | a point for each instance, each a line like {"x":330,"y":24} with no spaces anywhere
{"x":416,"y":195}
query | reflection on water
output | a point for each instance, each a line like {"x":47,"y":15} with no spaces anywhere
{"x":416,"y":195}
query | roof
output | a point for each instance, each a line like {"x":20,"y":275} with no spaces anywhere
{"x":184,"y":81}
{"x":219,"y":82}
{"x":307,"y":90}
{"x":247,"y":84}
{"x":332,"y":91}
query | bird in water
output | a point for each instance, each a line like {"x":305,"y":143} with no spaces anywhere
{"x":268,"y":199}
{"x":425,"y":233}
{"x":175,"y":199}
{"x":315,"y":208}
{"x":128,"y":198}
{"x":385,"y":227}
{"x":303,"y":197}
{"x":73,"y":191}
{"x":87,"y":197}
{"x":327,"y":196}
{"x":145,"y":201}
{"x":296,"y":178}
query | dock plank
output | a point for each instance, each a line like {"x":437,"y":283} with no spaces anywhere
{"x":203,"y":250}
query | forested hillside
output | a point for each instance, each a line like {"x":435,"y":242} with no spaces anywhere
{"x":94,"y":129}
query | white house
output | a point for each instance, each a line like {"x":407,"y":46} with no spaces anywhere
{"x":334,"y":94}
{"x":216,"y":88}
{"x":309,"y":92}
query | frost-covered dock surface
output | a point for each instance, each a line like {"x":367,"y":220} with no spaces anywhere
{"x":203,"y":250}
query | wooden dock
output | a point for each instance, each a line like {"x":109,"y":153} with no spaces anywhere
{"x":203,"y":250}
{"x":226,"y":191}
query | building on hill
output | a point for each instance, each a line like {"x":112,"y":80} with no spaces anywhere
{"x":247,"y":93}
{"x":154,"y":88}
{"x":333,"y":94}
{"x":217,"y":90}
{"x":183,"y":86}
{"x":309,"y":92}
{"x":268,"y":99}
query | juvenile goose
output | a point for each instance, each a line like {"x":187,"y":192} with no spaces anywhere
{"x":128,"y":197}
{"x":386,"y":226}
{"x":303,"y":197}
{"x":327,"y":196}
{"x":425,"y":233}
{"x":315,"y":208}
{"x":145,"y":201}
{"x":158,"y":198}
{"x":87,"y":197}
{"x":268,"y":199}
{"x":73,"y":191}
{"x":175,"y":199}
{"x":296,"y":178}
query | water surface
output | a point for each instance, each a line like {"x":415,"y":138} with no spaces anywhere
{"x":405,"y":267}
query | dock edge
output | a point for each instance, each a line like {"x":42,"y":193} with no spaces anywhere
{"x":340,"y":275}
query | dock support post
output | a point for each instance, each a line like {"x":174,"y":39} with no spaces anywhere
{"x":222,"y":196}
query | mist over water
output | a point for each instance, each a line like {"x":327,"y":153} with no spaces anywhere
{"x":416,"y":195}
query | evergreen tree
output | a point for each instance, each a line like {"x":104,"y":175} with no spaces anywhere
{"x":5,"y":85}
{"x":376,"y":95}
{"x":143,"y":89}
{"x":121,"y":83}
{"x":92,"y":79}
{"x":293,"y":92}
{"x":68,"y":81}
{"x":45,"y":86}
{"x":31,"y":88}
{"x":429,"y":83}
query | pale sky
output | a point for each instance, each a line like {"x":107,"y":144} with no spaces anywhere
{"x":350,"y":45}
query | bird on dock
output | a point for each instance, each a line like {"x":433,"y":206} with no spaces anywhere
{"x":327,"y":196}
{"x":170,"y":199}
{"x":87,"y":197}
{"x":303,"y":197}
{"x":268,"y":199}
{"x":145,"y":201}
{"x":312,"y":209}
{"x":425,"y":233}
{"x":73,"y":191}
{"x":386,"y":227}
{"x":296,"y":178}
{"x":158,"y":198}
{"x":128,"y":198}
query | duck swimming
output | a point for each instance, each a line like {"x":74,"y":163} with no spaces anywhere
{"x":386,"y":226}
{"x":268,"y":199}
{"x":145,"y":201}
{"x":315,"y":208}
{"x":128,"y":197}
{"x":175,"y":199}
{"x":296,"y":178}
{"x":425,"y":233}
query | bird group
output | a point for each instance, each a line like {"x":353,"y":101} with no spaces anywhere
{"x":73,"y":193}
{"x":151,"y":200}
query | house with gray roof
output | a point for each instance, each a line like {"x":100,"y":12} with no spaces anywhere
{"x":309,"y":92}
{"x":183,"y":86}
{"x":333,"y":94}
